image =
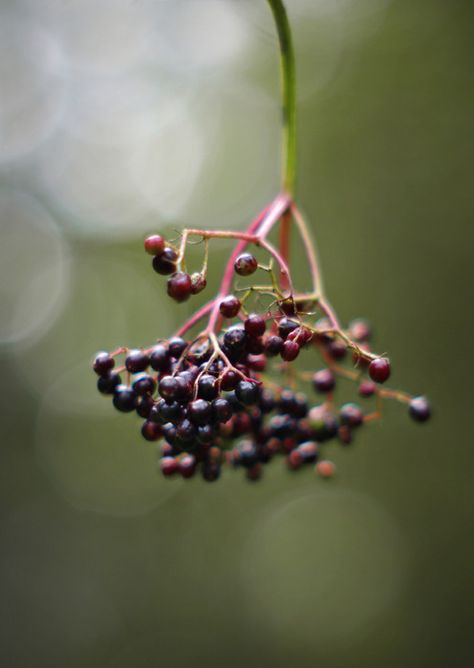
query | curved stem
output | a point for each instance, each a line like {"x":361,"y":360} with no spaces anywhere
{"x":287,"y":68}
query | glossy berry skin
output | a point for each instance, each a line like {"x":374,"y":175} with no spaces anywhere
{"x":247,"y":393}
{"x":337,"y":350}
{"x":103,"y":363}
{"x":207,"y":387}
{"x":255,"y":325}
{"x":199,"y":411}
{"x":125,"y":399}
{"x":179,"y":286}
{"x":285,"y":327}
{"x":308,"y":451}
{"x":379,"y":369}
{"x":205,"y":434}
{"x":168,"y":466}
{"x":107,"y":384}
{"x":229,"y":306}
{"x":154,"y":244}
{"x":145,"y":406}
{"x":235,"y":338}
{"x":367,"y":388}
{"x":151,"y":431}
{"x":165,"y":263}
{"x":144,"y":385}
{"x":198,"y":283}
{"x":136,"y":361}
{"x":229,"y":380}
{"x":160,"y":358}
{"x":176,"y":346}
{"x":290,"y":351}
{"x":186,"y":431}
{"x":419,"y":409}
{"x":273,"y":345}
{"x":324,"y":381}
{"x":351,"y":415}
{"x":168,"y":411}
{"x":245,"y":264}
{"x":221,"y":410}
{"x":169,"y":388}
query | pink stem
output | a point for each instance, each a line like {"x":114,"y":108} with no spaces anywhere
{"x":265,"y":221}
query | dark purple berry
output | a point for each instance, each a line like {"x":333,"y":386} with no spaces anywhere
{"x":308,"y":451}
{"x":151,"y":431}
{"x":154,"y":244}
{"x":145,"y":406}
{"x":144,"y":385}
{"x":235,"y":338}
{"x":337,"y":350}
{"x":351,"y":415}
{"x":245,"y":264}
{"x":210,"y":471}
{"x":266,"y":402}
{"x":103,"y":363}
{"x":420,"y":409}
{"x":169,"y":411}
{"x":205,"y":434}
{"x":229,"y":306}
{"x":179,"y":286}
{"x":207,"y":387}
{"x":169,"y":388}
{"x":286,"y":326}
{"x":324,"y":381}
{"x":125,"y":399}
{"x":199,"y":411}
{"x":107,"y":384}
{"x":255,"y":325}
{"x":222,"y":410}
{"x":273,"y":345}
{"x":247,"y":393}
{"x":229,"y":380}
{"x":289,"y":351}
{"x":165,"y":262}
{"x":177,"y":346}
{"x":159,"y":358}
{"x":186,"y":431}
{"x":379,"y":369}
{"x":136,"y":361}
{"x":169,"y":433}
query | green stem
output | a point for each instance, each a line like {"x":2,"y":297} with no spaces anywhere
{"x":287,"y":67}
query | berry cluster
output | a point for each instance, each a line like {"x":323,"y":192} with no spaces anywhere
{"x":230,"y":394}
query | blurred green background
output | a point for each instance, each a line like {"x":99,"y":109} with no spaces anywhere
{"x":119,"y":118}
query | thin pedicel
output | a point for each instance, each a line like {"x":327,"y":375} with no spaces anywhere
{"x":230,"y":393}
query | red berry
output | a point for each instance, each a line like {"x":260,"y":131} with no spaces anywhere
{"x":154,"y":245}
{"x":294,"y":460}
{"x":255,"y":325}
{"x":245,"y":264}
{"x":168,"y":465}
{"x":337,"y":350}
{"x":379,"y":369}
{"x":229,"y":306}
{"x":290,"y":351}
{"x":179,"y":286}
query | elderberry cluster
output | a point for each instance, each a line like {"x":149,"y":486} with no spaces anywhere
{"x":214,"y":399}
